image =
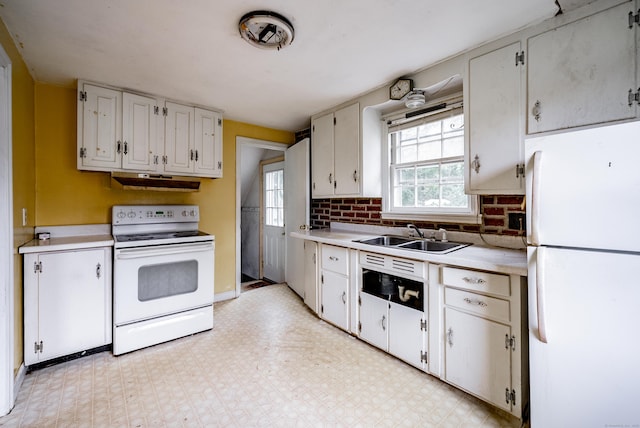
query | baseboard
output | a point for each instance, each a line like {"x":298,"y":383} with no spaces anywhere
{"x":227,"y":295}
{"x":17,"y":382}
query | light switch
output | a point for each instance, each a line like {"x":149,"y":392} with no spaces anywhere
{"x":24,"y":216}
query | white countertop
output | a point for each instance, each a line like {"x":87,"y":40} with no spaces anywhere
{"x":502,"y":260}
{"x":66,"y":243}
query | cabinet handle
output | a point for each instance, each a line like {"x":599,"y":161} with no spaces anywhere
{"x":475,"y":164}
{"x":450,"y":336}
{"x":119,"y":147}
{"x":333,"y":259}
{"x":344,"y":297}
{"x":536,"y":111}
{"x":196,"y":156}
{"x":330,"y":177}
{"x":474,"y":280}
{"x":475,"y":302}
{"x":355,"y":176}
{"x":155,"y":159}
{"x":98,"y":271}
{"x":126,"y":148}
{"x":190,"y":154}
{"x":383,"y":322}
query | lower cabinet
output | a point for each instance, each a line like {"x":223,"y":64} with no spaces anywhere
{"x":476,"y":358}
{"x":407,"y":331}
{"x":484,"y":347}
{"x":335,"y":297}
{"x":311,"y":275}
{"x":67,"y":302}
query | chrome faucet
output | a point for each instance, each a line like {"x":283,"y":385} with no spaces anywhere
{"x":444,"y":234}
{"x":414,"y":227}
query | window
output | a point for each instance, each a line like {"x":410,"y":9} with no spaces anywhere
{"x":426,"y":169}
{"x":274,"y":198}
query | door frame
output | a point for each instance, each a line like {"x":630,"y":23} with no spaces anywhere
{"x":242,"y":142}
{"x":7,"y":310}
{"x":264,"y":163}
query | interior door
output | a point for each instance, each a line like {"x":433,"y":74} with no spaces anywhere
{"x":296,"y":212}
{"x":273,"y":247}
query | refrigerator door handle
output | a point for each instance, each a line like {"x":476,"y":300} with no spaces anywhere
{"x":540,"y":293}
{"x":535,"y":197}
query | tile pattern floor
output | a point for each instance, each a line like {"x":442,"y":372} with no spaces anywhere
{"x":268,"y":362}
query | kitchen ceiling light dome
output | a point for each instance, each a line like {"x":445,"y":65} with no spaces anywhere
{"x":415,"y":99}
{"x":266,"y":30}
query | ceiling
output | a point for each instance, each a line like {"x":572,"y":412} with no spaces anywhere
{"x":192,"y":51}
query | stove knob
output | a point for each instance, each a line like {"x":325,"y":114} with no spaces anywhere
{"x":131,"y":214}
{"x":185,"y":213}
{"x":121,"y":214}
{"x":192,"y":213}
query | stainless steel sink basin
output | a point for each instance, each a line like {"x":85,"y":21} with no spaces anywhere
{"x":433,"y":246}
{"x":405,"y":243}
{"x":387,"y":240}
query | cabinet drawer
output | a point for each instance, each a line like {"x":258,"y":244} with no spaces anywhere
{"x":335,"y":259}
{"x":483,"y":282}
{"x":486,"y":306}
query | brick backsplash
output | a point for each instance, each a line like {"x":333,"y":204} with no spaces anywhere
{"x":494,"y":209}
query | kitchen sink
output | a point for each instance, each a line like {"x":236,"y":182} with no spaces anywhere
{"x":387,"y":240}
{"x":405,"y":243}
{"x":433,"y":246}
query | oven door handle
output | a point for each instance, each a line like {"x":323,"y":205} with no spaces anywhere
{"x":137,"y":253}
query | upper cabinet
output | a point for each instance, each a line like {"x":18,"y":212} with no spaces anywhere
{"x":193,"y":141}
{"x":495,"y":156}
{"x":121,"y":131}
{"x":584,"y":72}
{"x":335,"y":153}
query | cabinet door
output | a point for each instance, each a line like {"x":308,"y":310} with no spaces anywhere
{"x":374,"y":320}
{"x":581,"y":73}
{"x":494,"y":123}
{"x":335,"y":299}
{"x":346,"y":153}
{"x":406,"y":336}
{"x":208,"y":143}
{"x":311,"y":275}
{"x":179,"y":138}
{"x":71,"y":302}
{"x":139,"y":126}
{"x":100,"y":129}
{"x":322,"y":156}
{"x":475,"y":356}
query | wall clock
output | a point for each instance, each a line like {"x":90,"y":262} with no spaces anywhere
{"x":400,"y":88}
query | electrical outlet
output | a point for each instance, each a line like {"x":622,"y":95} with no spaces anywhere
{"x":517,"y":221}
{"x":24,"y":216}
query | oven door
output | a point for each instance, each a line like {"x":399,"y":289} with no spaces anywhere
{"x":154,"y":281}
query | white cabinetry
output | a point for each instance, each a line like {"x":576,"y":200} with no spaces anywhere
{"x":67,"y":302}
{"x":99,"y":128}
{"x":311,"y":275}
{"x":483,"y":340}
{"x":335,"y":153}
{"x":583,"y":73}
{"x":334,"y":285}
{"x":193,"y":141}
{"x":495,"y":156}
{"x":390,"y":318}
{"x":140,"y":118}
{"x":122,"y":131}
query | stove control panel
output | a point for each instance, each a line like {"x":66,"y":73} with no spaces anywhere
{"x":144,"y":214}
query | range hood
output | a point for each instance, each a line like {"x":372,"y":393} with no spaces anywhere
{"x":156,"y":182}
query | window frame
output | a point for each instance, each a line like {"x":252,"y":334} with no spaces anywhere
{"x":397,"y":121}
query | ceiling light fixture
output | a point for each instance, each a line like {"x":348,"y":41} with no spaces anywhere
{"x":266,"y":30}
{"x":415,"y":99}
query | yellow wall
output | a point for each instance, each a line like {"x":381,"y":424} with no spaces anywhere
{"x":66,"y":196}
{"x":23,"y":148}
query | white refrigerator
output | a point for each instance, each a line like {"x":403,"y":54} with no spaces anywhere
{"x":583,"y":235}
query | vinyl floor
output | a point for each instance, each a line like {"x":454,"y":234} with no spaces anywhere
{"x":268,"y":362}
